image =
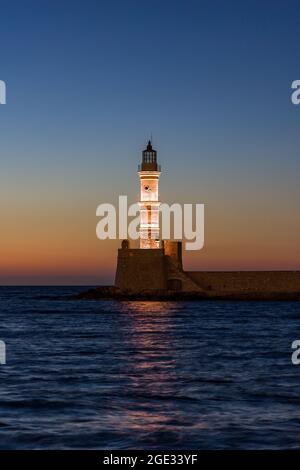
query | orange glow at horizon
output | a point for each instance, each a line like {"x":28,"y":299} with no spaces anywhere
{"x":52,"y":238}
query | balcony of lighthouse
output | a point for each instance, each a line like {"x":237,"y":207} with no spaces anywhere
{"x":149,"y":166}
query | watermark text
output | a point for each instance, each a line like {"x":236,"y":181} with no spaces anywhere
{"x":295,"y":96}
{"x":177,"y":222}
{"x":2,"y":92}
{"x":2,"y":353}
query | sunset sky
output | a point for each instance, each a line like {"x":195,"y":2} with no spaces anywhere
{"x":89,"y":82}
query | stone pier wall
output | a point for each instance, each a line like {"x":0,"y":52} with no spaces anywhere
{"x":140,"y":270}
{"x":247,"y":281}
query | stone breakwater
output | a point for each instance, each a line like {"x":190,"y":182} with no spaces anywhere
{"x":259,"y":283}
{"x":159,"y":274}
{"x":235,"y":285}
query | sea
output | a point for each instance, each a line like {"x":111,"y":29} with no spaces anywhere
{"x":84,"y":374}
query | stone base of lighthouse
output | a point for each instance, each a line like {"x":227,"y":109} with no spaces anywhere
{"x":159,"y":269}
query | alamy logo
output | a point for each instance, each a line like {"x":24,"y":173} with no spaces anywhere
{"x":188,"y":222}
{"x":295,"y":97}
{"x":2,"y":353}
{"x":2,"y":92}
{"x":296,"y":353}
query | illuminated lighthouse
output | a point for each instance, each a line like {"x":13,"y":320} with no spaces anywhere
{"x":149,"y":173}
{"x":157,"y":264}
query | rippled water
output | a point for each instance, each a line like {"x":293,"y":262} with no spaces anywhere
{"x":147,"y":375}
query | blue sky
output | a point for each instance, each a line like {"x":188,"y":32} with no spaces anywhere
{"x":195,"y":74}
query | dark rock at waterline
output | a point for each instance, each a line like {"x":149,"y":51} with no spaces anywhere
{"x":113,"y":293}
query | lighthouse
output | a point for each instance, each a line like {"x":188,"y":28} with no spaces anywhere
{"x":157,"y":264}
{"x":149,"y":173}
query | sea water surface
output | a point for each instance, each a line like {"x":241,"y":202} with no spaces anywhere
{"x":147,"y":375}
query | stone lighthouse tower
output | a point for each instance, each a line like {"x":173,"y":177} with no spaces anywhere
{"x":149,"y":173}
{"x":156,"y":265}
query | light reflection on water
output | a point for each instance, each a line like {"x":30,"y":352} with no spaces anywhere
{"x":153,"y":375}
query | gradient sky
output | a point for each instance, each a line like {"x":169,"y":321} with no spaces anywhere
{"x":88,"y":82}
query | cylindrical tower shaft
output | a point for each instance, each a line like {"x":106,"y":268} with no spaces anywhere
{"x":149,"y":173}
